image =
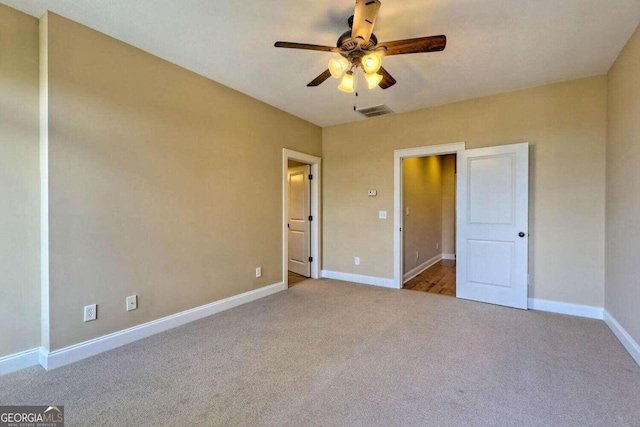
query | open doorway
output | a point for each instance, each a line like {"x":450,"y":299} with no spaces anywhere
{"x":299,"y":221}
{"x":492,"y":195}
{"x":400,"y":156}
{"x":301,"y":217}
{"x":428,"y":209}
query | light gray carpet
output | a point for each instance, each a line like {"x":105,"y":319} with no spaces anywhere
{"x":337,"y":354}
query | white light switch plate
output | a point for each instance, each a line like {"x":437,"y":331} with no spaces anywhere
{"x":382,"y":214}
{"x":132,"y":302}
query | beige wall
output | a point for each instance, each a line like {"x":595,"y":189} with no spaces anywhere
{"x":422,"y":195}
{"x":449,"y":204}
{"x":144,"y":199}
{"x":622,"y":289}
{"x":19,"y":183}
{"x":162,"y":184}
{"x":566,"y":126}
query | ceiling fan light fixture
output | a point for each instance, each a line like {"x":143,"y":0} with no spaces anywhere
{"x":371,"y":63}
{"x":337,"y":66}
{"x":373,"y":79}
{"x":347,"y":84}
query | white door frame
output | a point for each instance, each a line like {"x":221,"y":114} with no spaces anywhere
{"x":398,"y":155}
{"x":315,"y":163}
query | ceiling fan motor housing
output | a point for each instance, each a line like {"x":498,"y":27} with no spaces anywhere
{"x":345,"y":42}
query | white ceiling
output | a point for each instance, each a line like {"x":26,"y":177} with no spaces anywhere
{"x":493,"y":45}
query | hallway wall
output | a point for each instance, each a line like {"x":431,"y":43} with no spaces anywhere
{"x":449,"y":204}
{"x":422,"y":195}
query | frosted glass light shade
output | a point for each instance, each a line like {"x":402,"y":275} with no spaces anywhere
{"x":337,"y":66}
{"x":347,"y":82}
{"x":371,"y":63}
{"x":373,"y":79}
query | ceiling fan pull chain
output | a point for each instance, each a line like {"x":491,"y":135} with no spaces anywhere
{"x":355,"y":84}
{"x":355,"y":101}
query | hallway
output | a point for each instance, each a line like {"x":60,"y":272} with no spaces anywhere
{"x":440,"y":278}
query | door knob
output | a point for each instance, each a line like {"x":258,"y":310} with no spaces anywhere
{"x":521,"y":234}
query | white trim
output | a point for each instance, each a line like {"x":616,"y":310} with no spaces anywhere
{"x":566,"y":308}
{"x":398,"y":155}
{"x":15,"y":362}
{"x":42,"y":357}
{"x":419,"y":269}
{"x":74,"y":353}
{"x":44,"y":180}
{"x":449,"y":256}
{"x":316,"y":200}
{"x":627,"y":341}
{"x":357,"y":278}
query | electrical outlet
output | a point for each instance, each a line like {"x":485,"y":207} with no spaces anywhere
{"x":357,"y":260}
{"x":132,"y":302}
{"x":437,"y":245}
{"x":90,"y":312}
{"x":259,"y":272}
{"x":407,"y":211}
{"x":382,"y":214}
{"x":417,"y":254}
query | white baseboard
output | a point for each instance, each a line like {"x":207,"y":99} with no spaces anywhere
{"x":74,"y":353}
{"x":566,"y":308}
{"x":357,"y":278}
{"x":419,"y":269}
{"x":627,"y":341}
{"x":17,"y":361}
{"x":449,"y":256}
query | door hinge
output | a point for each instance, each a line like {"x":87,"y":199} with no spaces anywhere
{"x":310,"y":177}
{"x":310,"y":259}
{"x":310,"y":218}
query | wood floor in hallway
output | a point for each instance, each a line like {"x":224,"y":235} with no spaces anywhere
{"x":440,"y":278}
{"x":294,"y":278}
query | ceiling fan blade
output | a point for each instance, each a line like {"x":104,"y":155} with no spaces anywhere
{"x":364,"y":19}
{"x":320,"y":79}
{"x":387,"y":80}
{"x":306,"y":46}
{"x":420,"y":44}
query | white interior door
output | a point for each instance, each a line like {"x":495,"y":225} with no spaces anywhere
{"x":299,"y":225}
{"x":492,"y":225}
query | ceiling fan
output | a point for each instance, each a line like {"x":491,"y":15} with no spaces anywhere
{"x":359,"y":48}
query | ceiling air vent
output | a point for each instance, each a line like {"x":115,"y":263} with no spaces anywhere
{"x":376,"y":110}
